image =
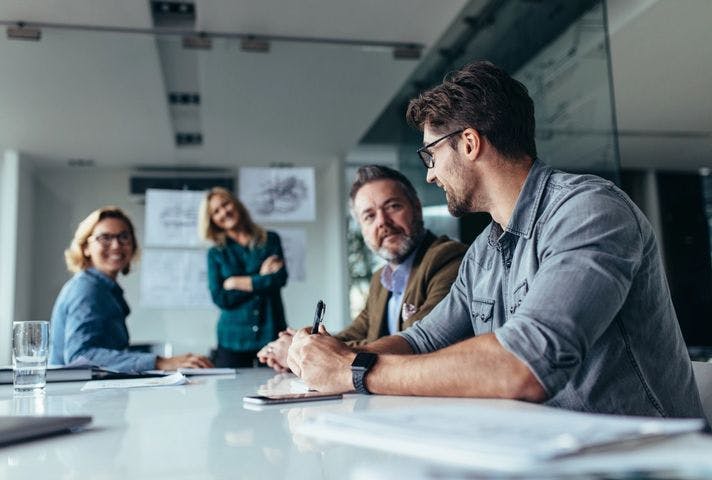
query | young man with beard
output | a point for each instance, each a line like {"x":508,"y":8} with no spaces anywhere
{"x":562,"y":299}
{"x":420,"y":270}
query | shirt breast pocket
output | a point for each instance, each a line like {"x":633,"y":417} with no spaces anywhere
{"x":482,"y":310}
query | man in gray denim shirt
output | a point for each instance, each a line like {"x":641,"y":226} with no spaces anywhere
{"x":567,"y":304}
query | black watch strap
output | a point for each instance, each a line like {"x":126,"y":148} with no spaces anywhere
{"x":359,"y":368}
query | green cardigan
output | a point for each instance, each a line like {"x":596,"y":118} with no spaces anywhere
{"x":248,"y":320}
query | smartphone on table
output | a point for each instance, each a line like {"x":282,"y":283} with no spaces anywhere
{"x":290,"y":398}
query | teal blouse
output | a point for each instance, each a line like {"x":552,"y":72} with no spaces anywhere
{"x":248,"y":320}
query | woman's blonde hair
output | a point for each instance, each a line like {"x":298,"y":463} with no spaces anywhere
{"x":212,"y":233}
{"x":74,"y":255}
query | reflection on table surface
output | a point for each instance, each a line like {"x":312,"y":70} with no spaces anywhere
{"x":202,"y":430}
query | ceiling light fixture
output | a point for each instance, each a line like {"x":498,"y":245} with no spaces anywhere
{"x":197,"y":42}
{"x":252,"y":43}
{"x":81,"y":162}
{"x":203,"y":39}
{"x":23,"y":32}
{"x":407,"y":52}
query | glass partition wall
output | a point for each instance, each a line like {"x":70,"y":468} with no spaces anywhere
{"x":560,"y":52}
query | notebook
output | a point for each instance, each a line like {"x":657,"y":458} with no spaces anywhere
{"x":78,"y":373}
{"x":54,"y":374}
{"x":20,"y":429}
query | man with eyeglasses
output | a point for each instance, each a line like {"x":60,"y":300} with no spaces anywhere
{"x":561,"y":300}
{"x":420,"y":270}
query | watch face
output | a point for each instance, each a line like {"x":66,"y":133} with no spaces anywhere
{"x":364,"y":360}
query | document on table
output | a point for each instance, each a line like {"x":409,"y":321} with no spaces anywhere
{"x":197,"y":371}
{"x":169,"y":380}
{"x":489,"y":437}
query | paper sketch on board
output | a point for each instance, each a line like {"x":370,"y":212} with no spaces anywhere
{"x":294,"y":245}
{"x":174,"y":278}
{"x":278,"y":194}
{"x":172,"y":218}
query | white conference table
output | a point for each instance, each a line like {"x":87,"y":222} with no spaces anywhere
{"x":202,"y":431}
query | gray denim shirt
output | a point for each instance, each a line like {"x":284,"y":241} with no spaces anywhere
{"x":574,"y":287}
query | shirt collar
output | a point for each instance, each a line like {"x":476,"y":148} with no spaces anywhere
{"x":395,"y":279}
{"x":103,"y":278}
{"x":523,"y":216}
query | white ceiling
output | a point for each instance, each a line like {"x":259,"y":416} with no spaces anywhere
{"x":416,"y":21}
{"x":98,"y":95}
{"x":123,"y":13}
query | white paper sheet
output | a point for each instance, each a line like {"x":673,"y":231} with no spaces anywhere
{"x":167,"y":381}
{"x":198,"y":371}
{"x":174,"y":278}
{"x":278,"y":194}
{"x":487,"y":437}
{"x":172,"y":218}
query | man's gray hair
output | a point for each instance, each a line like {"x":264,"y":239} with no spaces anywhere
{"x":371,"y":173}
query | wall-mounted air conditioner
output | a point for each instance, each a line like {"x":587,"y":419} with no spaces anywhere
{"x":180,"y":178}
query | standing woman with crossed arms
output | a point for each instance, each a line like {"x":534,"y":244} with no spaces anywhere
{"x":246,"y":272}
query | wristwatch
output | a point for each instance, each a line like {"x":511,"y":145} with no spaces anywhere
{"x":360,"y":367}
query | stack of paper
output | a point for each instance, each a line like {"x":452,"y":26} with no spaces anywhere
{"x":196,"y":371}
{"x":490,"y":437}
{"x":166,"y":381}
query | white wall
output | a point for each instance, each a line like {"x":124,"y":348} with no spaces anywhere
{"x":63,"y":197}
{"x":9,"y":180}
{"x":16,"y":197}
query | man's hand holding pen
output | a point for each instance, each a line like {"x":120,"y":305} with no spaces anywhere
{"x":322,"y":361}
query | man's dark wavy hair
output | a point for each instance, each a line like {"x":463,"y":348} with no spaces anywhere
{"x":484,"y":97}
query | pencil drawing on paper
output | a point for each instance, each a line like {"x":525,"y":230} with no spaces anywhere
{"x":281,"y":195}
{"x":284,"y":194}
{"x":178,"y":216}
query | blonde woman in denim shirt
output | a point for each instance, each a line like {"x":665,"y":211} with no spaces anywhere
{"x":89,"y":315}
{"x":246,"y":273}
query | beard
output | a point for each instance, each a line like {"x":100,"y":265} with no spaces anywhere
{"x":404,"y":246}
{"x":457,"y":201}
{"x":456,"y":205}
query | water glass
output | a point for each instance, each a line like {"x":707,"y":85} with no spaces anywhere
{"x":30,"y":347}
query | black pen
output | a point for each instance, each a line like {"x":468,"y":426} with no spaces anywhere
{"x":318,"y":316}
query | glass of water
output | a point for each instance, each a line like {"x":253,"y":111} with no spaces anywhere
{"x":30,"y":346}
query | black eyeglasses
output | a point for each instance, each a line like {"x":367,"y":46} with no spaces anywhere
{"x":105,"y":239}
{"x":427,"y":156}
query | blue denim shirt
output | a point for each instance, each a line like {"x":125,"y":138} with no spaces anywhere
{"x":575,"y":288}
{"x":89,"y":325}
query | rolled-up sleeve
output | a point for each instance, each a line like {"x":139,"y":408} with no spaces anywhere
{"x":591,"y":250}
